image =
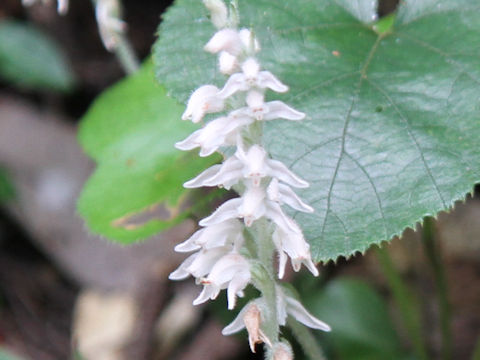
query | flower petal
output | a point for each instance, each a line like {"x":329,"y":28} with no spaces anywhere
{"x":203,"y":177}
{"x":267,"y":80}
{"x":228,"y":210}
{"x":229,"y":173}
{"x":237,"y":324}
{"x":202,"y":101}
{"x":206,"y":260}
{"x":191,"y":142}
{"x":296,"y":309}
{"x":288,"y":196}
{"x":182,"y":272}
{"x":274,"y":212}
{"x":227,"y":40}
{"x":238,"y":283}
{"x":191,"y":243}
{"x":280,"y":110}
{"x":208,"y":292}
{"x":282,"y":173}
{"x":235,"y":83}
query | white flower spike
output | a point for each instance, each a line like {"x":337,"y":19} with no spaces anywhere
{"x":220,"y":259}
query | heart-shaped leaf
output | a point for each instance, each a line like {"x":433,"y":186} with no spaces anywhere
{"x":136,"y":190}
{"x":392,"y":124}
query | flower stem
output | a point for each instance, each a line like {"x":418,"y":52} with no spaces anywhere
{"x":305,"y":338}
{"x":434,"y":257}
{"x":266,"y":282}
{"x":126,"y":55}
{"x":408,"y":305}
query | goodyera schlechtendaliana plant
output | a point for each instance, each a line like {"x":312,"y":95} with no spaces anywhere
{"x":221,"y":261}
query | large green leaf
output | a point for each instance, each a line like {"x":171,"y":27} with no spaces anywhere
{"x":392,"y":126}
{"x":29,"y":58}
{"x":136,"y":190}
{"x":361,"y":324}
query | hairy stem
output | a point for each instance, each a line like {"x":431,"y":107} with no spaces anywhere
{"x":305,"y":338}
{"x":434,"y":257}
{"x":408,"y":305}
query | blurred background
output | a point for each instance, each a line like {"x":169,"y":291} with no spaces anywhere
{"x":66,"y":294}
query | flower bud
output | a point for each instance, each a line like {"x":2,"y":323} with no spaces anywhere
{"x":218,"y":12}
{"x":252,"y":320}
{"x":282,"y":351}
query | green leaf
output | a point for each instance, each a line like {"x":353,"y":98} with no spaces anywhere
{"x":30,"y":59}
{"x":136,"y":190}
{"x":391,"y":133}
{"x":359,"y":318}
{"x":6,"y":188}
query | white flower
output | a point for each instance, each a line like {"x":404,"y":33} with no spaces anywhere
{"x":200,"y":263}
{"x":293,"y":244}
{"x":225,"y":233}
{"x":253,"y":205}
{"x":225,"y":40}
{"x":231,"y":272}
{"x":219,"y":132}
{"x":283,"y":194}
{"x":287,"y":305}
{"x":218,"y":12}
{"x":253,"y":165}
{"x":260,"y":110}
{"x":110,"y":25}
{"x":204,"y":100}
{"x":250,"y":77}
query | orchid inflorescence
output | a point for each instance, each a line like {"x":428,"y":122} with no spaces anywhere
{"x":221,"y":259}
